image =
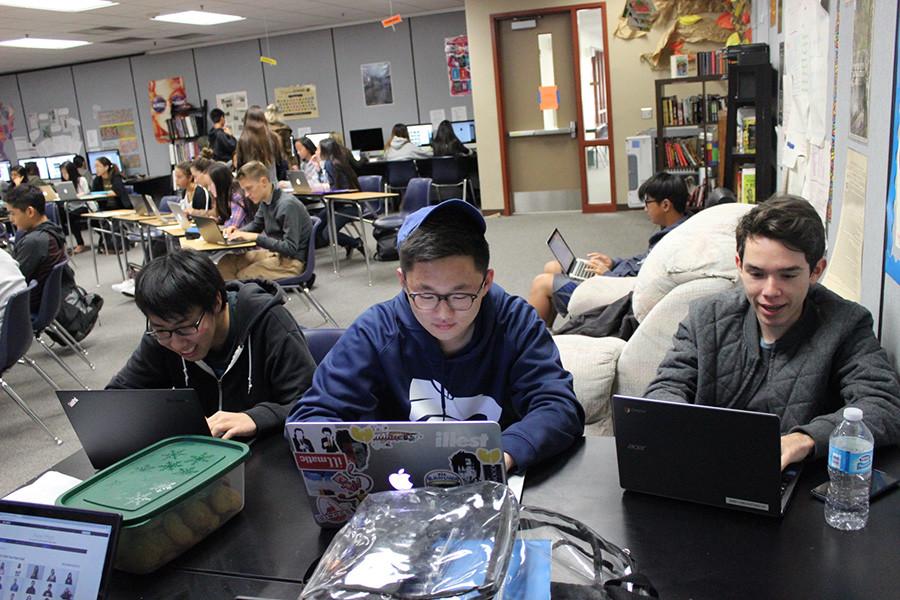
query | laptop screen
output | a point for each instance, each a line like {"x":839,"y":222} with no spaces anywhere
{"x":54,"y":162}
{"x":4,"y":170}
{"x":465,"y":131}
{"x":55,"y":552}
{"x":561,"y":251}
{"x":420,"y":135}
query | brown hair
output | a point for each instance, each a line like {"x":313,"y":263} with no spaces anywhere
{"x":258,"y":142}
{"x":788,"y":219}
{"x":254,"y":170}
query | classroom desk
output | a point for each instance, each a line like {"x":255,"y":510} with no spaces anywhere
{"x":203,"y":246}
{"x":109,"y":216}
{"x":357,"y":199}
{"x":687,"y":550}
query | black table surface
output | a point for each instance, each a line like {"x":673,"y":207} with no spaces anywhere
{"x":687,"y":550}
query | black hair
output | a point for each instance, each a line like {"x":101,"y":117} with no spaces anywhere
{"x":32,"y":169}
{"x":308,"y":144}
{"x":788,"y":219}
{"x":665,"y":186}
{"x":23,"y":196}
{"x":79,"y":161}
{"x":216,"y":114}
{"x":18,"y":170}
{"x":442,"y":237}
{"x":71,"y":171}
{"x":445,"y":142}
{"x":226,"y":187}
{"x":344,"y":175}
{"x":111,"y":169}
{"x":170,"y":286}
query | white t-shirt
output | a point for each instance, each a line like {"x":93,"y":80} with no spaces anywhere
{"x":11,"y":280}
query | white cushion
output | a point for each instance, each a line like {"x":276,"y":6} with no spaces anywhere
{"x":599,"y":291}
{"x":592,"y":363}
{"x":703,"y":246}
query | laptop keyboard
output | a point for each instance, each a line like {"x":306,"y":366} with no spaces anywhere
{"x":787,"y":476}
{"x":581,"y":270}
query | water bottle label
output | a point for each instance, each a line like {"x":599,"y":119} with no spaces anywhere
{"x":854,"y":463}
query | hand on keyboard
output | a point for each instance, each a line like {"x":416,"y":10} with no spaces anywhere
{"x":599,"y":263}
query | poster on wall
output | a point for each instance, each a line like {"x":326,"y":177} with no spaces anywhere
{"x":892,"y":240}
{"x":234,"y":105}
{"x":456,"y":49}
{"x":377,"y":86}
{"x":7,"y":127}
{"x":297,"y":101}
{"x":859,"y":74}
{"x":56,"y":131}
{"x":164,"y":95}
{"x":117,"y":130}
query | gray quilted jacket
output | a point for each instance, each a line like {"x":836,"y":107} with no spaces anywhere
{"x":829,"y":358}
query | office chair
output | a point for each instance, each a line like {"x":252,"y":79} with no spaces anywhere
{"x":320,"y":341}
{"x":303,"y":282}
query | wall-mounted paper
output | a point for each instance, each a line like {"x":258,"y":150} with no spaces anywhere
{"x":843,"y":276}
{"x":436,"y":116}
{"x":459,"y":113}
{"x":93,"y":139}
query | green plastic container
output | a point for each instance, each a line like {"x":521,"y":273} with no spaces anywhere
{"x":171,"y":495}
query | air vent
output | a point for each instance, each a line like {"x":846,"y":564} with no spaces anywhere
{"x":187,"y":36}
{"x":127,"y":40}
{"x":103,"y":29}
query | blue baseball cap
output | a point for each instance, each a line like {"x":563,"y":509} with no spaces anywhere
{"x":447,"y":207}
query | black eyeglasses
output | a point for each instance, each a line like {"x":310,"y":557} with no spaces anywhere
{"x":460,"y":301}
{"x":166,"y":334}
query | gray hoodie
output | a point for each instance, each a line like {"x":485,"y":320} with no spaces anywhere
{"x":402,"y":149}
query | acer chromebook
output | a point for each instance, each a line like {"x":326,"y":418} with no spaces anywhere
{"x":111,"y":424}
{"x":718,"y":456}
{"x":576,"y":268}
{"x":341,"y":463}
{"x":58,"y":552}
{"x":211,"y":234}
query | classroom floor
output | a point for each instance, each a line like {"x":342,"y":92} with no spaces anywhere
{"x":518,"y":253}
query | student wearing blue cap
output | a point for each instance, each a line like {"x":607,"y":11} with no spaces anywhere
{"x":452,"y":345}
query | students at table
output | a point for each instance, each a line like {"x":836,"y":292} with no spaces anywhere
{"x":221,"y":140}
{"x":69,"y":172}
{"x":445,"y":143}
{"x":232,"y":209}
{"x":451,"y":345}
{"x":281,"y":228}
{"x":399,"y":147}
{"x":310,"y":163}
{"x":259,"y":143}
{"x":33,"y":175}
{"x":40,"y":244}
{"x":109,"y":179}
{"x":341,"y":176}
{"x":81,"y":165}
{"x":18,"y":176}
{"x":235,"y":344}
{"x":781,"y":343}
{"x":195,"y":198}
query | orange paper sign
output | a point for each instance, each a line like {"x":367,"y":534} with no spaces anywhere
{"x":548,"y":97}
{"x":391,"y":21}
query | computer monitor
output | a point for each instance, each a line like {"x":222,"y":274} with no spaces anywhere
{"x":41,"y":163}
{"x":54,"y":162}
{"x":5,"y":166}
{"x":316,"y":138}
{"x":367,"y":140}
{"x":465,"y":131}
{"x":420,"y":134}
{"x":112,"y":155}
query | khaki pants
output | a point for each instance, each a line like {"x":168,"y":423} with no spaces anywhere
{"x":259,"y":264}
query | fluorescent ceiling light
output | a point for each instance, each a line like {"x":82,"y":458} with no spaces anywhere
{"x":43,"y":43}
{"x":198,"y":17}
{"x":58,"y":5}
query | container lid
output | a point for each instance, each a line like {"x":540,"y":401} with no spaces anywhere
{"x":150,"y":481}
{"x":852,"y":413}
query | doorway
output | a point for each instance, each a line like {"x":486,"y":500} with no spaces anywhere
{"x":553,"y":106}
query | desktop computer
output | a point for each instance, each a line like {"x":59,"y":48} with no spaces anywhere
{"x":41,"y":163}
{"x":316,"y":138}
{"x":54,"y":162}
{"x":5,"y":166}
{"x":465,"y":131}
{"x":112,"y":155}
{"x":367,"y":140}
{"x":420,"y":134}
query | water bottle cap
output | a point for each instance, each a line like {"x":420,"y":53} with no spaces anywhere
{"x":851,"y":413}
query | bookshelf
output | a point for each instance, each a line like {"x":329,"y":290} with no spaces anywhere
{"x":687,"y":140}
{"x":750,"y":128}
{"x":187,"y":127}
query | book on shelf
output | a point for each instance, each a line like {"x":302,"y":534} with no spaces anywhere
{"x":711,"y":63}
{"x":682,"y":154}
{"x":746,"y":185}
{"x":679,"y":64}
{"x":746,"y":130}
{"x":689,"y":111}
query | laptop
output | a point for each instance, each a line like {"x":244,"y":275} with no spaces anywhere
{"x":211,"y":234}
{"x":711,"y":455}
{"x":66,"y":190}
{"x":56,"y":551}
{"x":154,"y":210}
{"x":139,"y":204}
{"x":299,"y":183}
{"x":49,"y":193}
{"x":113,"y":424}
{"x":576,"y":268}
{"x":179,"y":214}
{"x":341,"y":463}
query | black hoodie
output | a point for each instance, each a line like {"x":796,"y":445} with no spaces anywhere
{"x":36,"y":251}
{"x":268,"y":370}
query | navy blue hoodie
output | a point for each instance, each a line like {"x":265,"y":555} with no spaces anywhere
{"x":509,"y":372}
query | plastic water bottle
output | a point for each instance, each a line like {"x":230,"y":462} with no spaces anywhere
{"x":850,"y":451}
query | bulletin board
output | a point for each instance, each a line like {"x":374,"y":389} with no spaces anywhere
{"x":297,"y":101}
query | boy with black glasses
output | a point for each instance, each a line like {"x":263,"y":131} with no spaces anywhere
{"x":452,"y":345}
{"x":235,"y":344}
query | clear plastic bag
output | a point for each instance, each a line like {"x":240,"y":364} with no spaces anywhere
{"x":421,"y":543}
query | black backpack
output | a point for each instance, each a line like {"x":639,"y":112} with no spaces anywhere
{"x":78,"y":313}
{"x":386,"y":243}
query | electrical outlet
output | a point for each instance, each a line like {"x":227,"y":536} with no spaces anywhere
{"x":647,"y":113}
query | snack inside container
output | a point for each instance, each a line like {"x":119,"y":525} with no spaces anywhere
{"x":171,"y":495}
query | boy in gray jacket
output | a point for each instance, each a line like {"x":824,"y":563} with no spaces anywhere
{"x":783,"y":344}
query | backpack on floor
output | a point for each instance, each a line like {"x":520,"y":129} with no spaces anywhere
{"x":78,"y":313}
{"x":386,"y":243}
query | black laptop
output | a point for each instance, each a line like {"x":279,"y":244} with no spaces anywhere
{"x":112,"y":424}
{"x":55,"y":551}
{"x":717,"y":456}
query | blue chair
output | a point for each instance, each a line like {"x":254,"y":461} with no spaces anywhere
{"x":15,"y":340}
{"x":418,"y":195}
{"x":51,"y":301}
{"x":372,"y":183}
{"x":450,"y":171}
{"x":52,"y":212}
{"x":320,"y":341}
{"x":399,"y":174}
{"x":163,"y":204}
{"x":304,"y":281}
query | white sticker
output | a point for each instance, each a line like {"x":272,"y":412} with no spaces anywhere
{"x":747,"y":503}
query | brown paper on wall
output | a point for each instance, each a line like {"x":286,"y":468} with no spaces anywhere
{"x":654,"y":58}
{"x":704,"y":30}
{"x":672,"y":9}
{"x":625,"y":32}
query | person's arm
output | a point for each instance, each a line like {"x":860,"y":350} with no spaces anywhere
{"x":676,"y":376}
{"x":345,"y":382}
{"x":118,"y":188}
{"x":295,"y":230}
{"x":82,"y":187}
{"x":30,"y":252}
{"x":236,"y":219}
{"x":868,"y":381}
{"x":289,"y":369}
{"x":551,"y":418}
{"x":146,"y":369}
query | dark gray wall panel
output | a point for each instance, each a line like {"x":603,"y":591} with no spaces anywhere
{"x":9,"y":98}
{"x":432,"y":82}
{"x":231,"y":68}
{"x":50,"y":90}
